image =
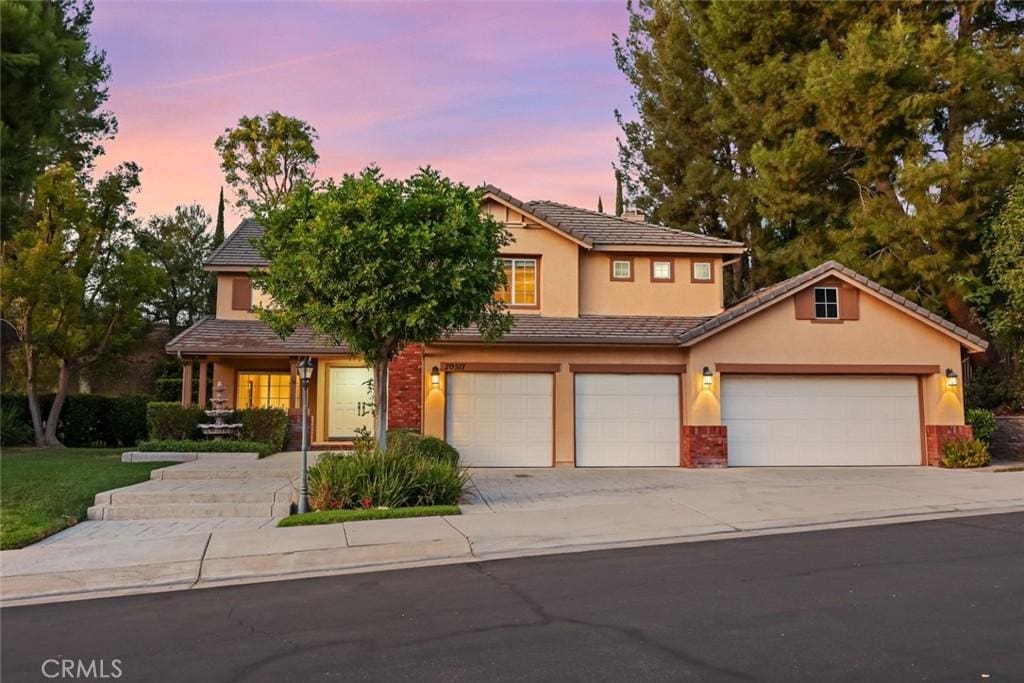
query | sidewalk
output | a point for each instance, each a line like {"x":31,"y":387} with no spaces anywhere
{"x":697,"y":506}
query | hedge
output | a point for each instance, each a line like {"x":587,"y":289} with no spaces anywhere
{"x":207,"y":446}
{"x":168,"y":389}
{"x":86,"y":420}
{"x":169,"y":420}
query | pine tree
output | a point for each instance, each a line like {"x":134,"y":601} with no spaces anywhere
{"x":600,"y":206}
{"x":218,"y":239}
{"x":618,"y":193}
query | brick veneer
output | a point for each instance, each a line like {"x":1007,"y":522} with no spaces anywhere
{"x":705,"y":446}
{"x":405,"y":389}
{"x":936,"y":435}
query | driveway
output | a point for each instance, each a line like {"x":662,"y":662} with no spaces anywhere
{"x":746,"y":497}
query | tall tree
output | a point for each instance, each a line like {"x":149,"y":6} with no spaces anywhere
{"x":74,"y":283}
{"x":54,"y":86}
{"x":263,"y":157}
{"x":378,"y":263}
{"x":177,"y":245}
{"x":618,"y":193}
{"x":880,"y":134}
{"x":1005,"y":246}
{"x":218,"y":239}
{"x":600,"y":205}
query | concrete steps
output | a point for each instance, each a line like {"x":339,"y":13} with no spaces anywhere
{"x":187,"y":510}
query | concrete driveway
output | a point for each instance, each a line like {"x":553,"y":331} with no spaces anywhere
{"x":747,"y":497}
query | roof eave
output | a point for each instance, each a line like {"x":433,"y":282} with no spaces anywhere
{"x":521,"y":208}
{"x":661,"y":249}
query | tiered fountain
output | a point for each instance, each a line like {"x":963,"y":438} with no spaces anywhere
{"x":218,"y":429}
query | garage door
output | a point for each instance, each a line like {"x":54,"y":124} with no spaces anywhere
{"x":500,"y":419}
{"x":793,"y":421}
{"x":627,"y":420}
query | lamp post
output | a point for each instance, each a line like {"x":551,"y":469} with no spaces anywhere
{"x":305,"y":370}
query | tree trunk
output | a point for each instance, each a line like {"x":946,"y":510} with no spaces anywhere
{"x":31,"y":365}
{"x":380,"y":400}
{"x":53,"y":420}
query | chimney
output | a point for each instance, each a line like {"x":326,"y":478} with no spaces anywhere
{"x":633,"y":216}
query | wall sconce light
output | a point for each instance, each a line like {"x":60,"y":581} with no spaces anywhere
{"x":708,"y":377}
{"x":435,"y":376}
{"x":951,"y":379}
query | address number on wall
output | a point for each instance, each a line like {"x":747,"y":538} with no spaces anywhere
{"x":454,"y":367}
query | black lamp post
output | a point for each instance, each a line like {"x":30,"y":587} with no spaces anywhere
{"x":305,"y":369}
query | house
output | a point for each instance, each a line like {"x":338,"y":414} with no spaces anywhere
{"x":623,"y":354}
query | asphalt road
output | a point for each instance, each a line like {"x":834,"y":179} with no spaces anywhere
{"x":940,"y":600}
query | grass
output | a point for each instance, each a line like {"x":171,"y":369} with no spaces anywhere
{"x":44,"y":490}
{"x":1014,"y":468}
{"x":336,"y":516}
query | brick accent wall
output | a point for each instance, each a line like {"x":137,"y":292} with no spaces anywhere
{"x":405,"y":389}
{"x":936,"y":435}
{"x":705,"y":446}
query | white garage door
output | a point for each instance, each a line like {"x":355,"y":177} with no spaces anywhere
{"x":627,"y":420}
{"x":500,"y":419}
{"x":820,"y":420}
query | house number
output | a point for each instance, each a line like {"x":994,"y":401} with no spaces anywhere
{"x":454,"y":367}
{"x":364,"y":408}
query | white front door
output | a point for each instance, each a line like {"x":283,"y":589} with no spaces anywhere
{"x":349,"y":401}
{"x":627,"y":420}
{"x":497,"y":419}
{"x":821,"y":420}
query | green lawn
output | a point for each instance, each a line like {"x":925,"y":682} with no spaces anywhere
{"x":45,"y":490}
{"x":335,"y":516}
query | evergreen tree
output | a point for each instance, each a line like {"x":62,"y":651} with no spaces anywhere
{"x":879,"y":134}
{"x":618,"y":193}
{"x":218,"y":239}
{"x":600,"y":206}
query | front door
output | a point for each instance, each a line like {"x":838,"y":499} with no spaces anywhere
{"x":349,"y":402}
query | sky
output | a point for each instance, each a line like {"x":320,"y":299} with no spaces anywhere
{"x":519,"y":95}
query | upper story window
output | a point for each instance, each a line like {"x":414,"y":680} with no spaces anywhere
{"x":622,"y":269}
{"x":826,"y":303}
{"x":521,"y":282}
{"x":662,"y":270}
{"x":702,"y":272}
{"x":241,"y":294}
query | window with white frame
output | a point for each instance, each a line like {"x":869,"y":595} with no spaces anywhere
{"x":702,"y":271}
{"x":826,"y":303}
{"x":520,"y":282}
{"x":622,"y":269}
{"x":661,"y":270}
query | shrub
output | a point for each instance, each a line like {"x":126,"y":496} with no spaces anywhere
{"x":128,"y":419}
{"x":14,"y":431}
{"x":965,"y":453}
{"x":433,"y":448}
{"x":403,"y":441}
{"x":270,"y":425}
{"x":207,"y":446}
{"x":369,"y":479}
{"x":983,"y":422}
{"x":168,"y":389}
{"x":86,"y":419}
{"x":169,"y":420}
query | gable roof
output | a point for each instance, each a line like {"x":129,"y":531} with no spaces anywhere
{"x":587,"y":329}
{"x":762,"y":298}
{"x":598,"y":229}
{"x":218,"y":335}
{"x":237,"y":250}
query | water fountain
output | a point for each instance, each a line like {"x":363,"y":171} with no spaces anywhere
{"x":218,"y":429}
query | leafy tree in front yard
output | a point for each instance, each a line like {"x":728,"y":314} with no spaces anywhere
{"x":73,"y":285}
{"x":378,"y":263}
{"x":263,"y":157}
{"x":54,"y":86}
{"x":178,"y":245}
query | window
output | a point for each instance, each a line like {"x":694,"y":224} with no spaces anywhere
{"x":622,"y":269}
{"x":521,"y":282}
{"x":241,"y":294}
{"x":661,"y":271}
{"x":826,"y":303}
{"x":262,"y":390}
{"x":702,"y":271}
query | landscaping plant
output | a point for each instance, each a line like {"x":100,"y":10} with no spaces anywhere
{"x":960,"y":453}
{"x":208,"y":446}
{"x":168,"y":420}
{"x":983,"y":422}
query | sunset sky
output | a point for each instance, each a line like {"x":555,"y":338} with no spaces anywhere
{"x":519,"y":95}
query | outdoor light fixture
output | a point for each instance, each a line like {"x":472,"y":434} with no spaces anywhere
{"x":951,"y":379}
{"x":435,"y":375}
{"x":305,"y":370}
{"x":708,"y":376}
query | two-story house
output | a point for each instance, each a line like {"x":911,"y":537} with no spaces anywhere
{"x":622,"y":355}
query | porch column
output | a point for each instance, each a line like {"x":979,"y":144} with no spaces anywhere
{"x":202,"y":383}
{"x":186,"y":384}
{"x":293,"y":371}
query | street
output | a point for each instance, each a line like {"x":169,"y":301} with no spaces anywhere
{"x":922,"y":601}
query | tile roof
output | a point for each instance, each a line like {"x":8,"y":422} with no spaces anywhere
{"x":589,"y":329}
{"x":763,"y":297}
{"x":237,"y":248}
{"x":216,"y":335}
